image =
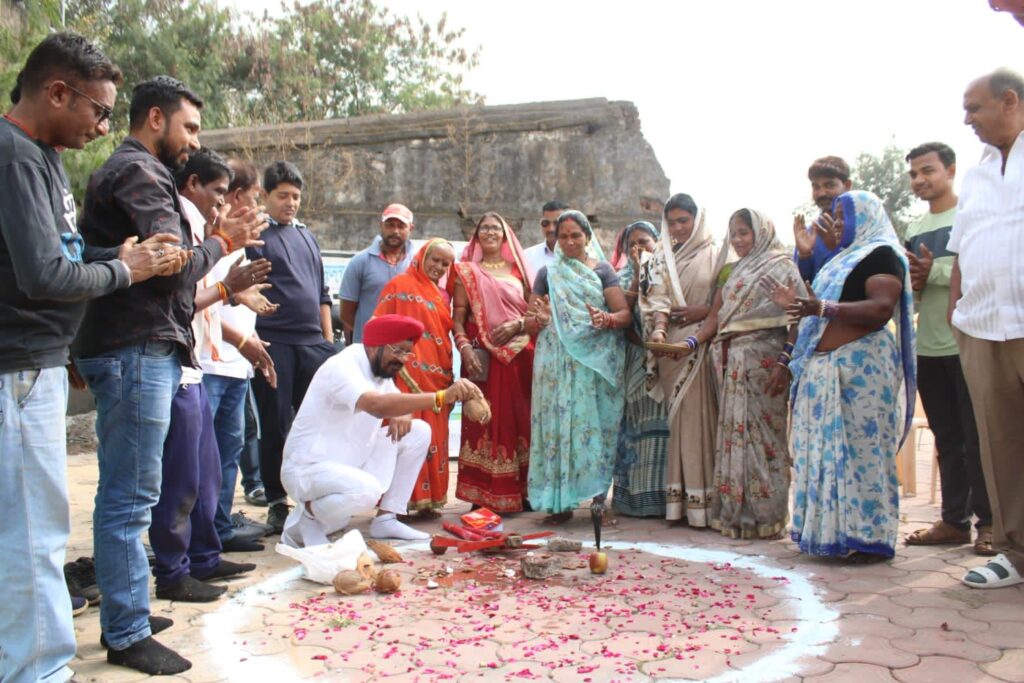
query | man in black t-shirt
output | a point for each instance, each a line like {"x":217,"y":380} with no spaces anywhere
{"x":63,"y":99}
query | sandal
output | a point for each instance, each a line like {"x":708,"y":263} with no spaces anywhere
{"x":940,"y":533}
{"x":998,"y":573}
{"x":983,"y":543}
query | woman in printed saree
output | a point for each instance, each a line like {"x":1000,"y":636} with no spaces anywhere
{"x":750,"y":336}
{"x":675,"y":296}
{"x":848,"y":367}
{"x":417,"y":293}
{"x":639,"y":489}
{"x":577,"y":373}
{"x":491,"y":288}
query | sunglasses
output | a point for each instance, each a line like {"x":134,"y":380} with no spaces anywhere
{"x":104,"y":112}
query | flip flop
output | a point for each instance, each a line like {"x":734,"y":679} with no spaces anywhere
{"x":998,"y":573}
{"x":983,"y":543}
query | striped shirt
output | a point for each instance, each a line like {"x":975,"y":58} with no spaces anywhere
{"x":988,"y":236}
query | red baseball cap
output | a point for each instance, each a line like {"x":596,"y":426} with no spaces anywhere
{"x":398,"y":211}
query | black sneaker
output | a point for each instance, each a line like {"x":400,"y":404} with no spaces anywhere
{"x":78,"y":605}
{"x":247,"y":528}
{"x":80,"y":576}
{"x":257,"y":497}
{"x":226,"y":568}
{"x":276,"y":515}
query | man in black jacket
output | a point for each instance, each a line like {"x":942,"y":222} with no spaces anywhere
{"x":132,"y":346}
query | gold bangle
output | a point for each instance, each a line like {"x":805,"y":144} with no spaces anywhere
{"x":244,"y":341}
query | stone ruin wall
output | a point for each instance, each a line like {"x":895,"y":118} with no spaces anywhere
{"x":450,"y":166}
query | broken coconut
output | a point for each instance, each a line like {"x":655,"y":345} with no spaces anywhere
{"x":559,"y":544}
{"x":385,"y":553}
{"x":364,"y":565}
{"x":388,"y":581}
{"x":538,"y":566}
{"x":477,"y":410}
{"x":350,"y":582}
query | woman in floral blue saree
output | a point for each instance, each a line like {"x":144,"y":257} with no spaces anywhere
{"x":577,"y":373}
{"x":853,"y":355}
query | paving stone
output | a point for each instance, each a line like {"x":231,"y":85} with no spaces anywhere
{"x":1009,"y":667}
{"x":870,"y":603}
{"x":1001,"y":634}
{"x":871,"y":625}
{"x":927,"y":597}
{"x":847,"y":672}
{"x":637,"y":646}
{"x":931,"y":669}
{"x":936,"y":642}
{"x":596,"y":671}
{"x":868,"y":650}
{"x":936,"y":617}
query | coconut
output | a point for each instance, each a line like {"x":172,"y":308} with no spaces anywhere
{"x":385,"y":553}
{"x":477,"y":410}
{"x":364,"y":565}
{"x":350,"y":582}
{"x":388,"y":581}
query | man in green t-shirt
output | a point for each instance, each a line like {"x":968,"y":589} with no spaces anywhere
{"x":940,"y":380}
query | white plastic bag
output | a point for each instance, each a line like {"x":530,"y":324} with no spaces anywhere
{"x":321,"y":563}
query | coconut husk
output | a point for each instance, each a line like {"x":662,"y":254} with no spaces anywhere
{"x":477,"y":410}
{"x":350,"y":582}
{"x":365,"y":566}
{"x":384,"y":551}
{"x":388,"y":581}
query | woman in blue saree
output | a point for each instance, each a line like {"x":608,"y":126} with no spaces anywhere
{"x":848,"y":367}
{"x":577,"y":373}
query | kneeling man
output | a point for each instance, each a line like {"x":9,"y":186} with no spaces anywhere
{"x":339,"y":459}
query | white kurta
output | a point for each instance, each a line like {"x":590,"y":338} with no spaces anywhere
{"x":341,"y":459}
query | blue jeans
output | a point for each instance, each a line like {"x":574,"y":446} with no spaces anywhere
{"x":249,"y":462}
{"x":37,"y":639}
{"x":227,"y":396}
{"x":133,"y":387}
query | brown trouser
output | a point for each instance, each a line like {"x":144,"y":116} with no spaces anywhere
{"x":995,"y":377}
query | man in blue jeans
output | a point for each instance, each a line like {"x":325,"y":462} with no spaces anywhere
{"x":63,"y":99}
{"x":131,"y":348}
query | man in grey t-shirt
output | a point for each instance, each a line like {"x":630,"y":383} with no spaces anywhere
{"x":63,"y":99}
{"x":372,"y":268}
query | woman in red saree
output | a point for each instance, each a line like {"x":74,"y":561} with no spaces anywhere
{"x":492,"y":287}
{"x":418,"y":294}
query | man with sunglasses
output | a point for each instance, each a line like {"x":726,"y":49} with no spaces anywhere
{"x":340,"y":459}
{"x":543,"y":254}
{"x":62,"y":99}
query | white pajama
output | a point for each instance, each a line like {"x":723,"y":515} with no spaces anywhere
{"x":351,"y":483}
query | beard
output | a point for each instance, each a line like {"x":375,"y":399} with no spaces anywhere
{"x":169,"y":157}
{"x":380,"y":369}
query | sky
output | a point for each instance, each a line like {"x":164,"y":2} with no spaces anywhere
{"x":737,"y":97}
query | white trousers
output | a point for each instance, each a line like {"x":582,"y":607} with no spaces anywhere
{"x":336,"y":491}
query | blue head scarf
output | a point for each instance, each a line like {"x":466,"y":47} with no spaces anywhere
{"x":572,"y":284}
{"x":867,"y":227}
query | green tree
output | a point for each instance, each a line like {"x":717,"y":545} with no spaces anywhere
{"x":886,"y":175}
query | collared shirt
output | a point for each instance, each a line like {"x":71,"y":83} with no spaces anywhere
{"x":538,"y":256}
{"x":297,"y":284}
{"x":988,"y":236}
{"x":365,"y":277}
{"x":44,"y":280}
{"x":133,"y":195}
{"x":934,"y":336}
{"x":328,"y":426}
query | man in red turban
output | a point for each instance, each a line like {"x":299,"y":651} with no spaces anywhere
{"x":340,"y":459}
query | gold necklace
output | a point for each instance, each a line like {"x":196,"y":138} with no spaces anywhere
{"x":493,"y":265}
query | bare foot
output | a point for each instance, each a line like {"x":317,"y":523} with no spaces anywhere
{"x":558,"y":518}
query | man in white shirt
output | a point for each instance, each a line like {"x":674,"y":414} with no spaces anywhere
{"x":987,"y":309}
{"x":543,"y":254}
{"x":339,"y":460}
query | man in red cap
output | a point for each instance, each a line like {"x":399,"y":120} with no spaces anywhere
{"x":371,"y":269}
{"x":340,"y":459}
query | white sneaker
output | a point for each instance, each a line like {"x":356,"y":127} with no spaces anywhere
{"x":386,"y":526}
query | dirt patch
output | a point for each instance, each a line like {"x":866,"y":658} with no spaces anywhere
{"x":81,"y":431}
